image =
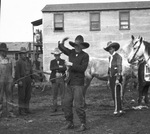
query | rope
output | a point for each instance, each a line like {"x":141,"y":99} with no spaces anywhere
{"x":37,"y":71}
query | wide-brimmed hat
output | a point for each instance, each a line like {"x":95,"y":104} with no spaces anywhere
{"x":23,"y":50}
{"x":110,"y":44}
{"x":3,"y":47}
{"x":79,"y":40}
{"x":56,"y":51}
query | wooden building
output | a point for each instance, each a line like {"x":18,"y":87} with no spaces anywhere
{"x":98,"y":23}
{"x":14,"y":48}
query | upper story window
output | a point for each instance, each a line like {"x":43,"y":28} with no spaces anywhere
{"x":94,"y":21}
{"x":124,"y":20}
{"x":58,"y":22}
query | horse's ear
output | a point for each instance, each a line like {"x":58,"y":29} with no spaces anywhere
{"x":141,"y":39}
{"x":132,"y":37}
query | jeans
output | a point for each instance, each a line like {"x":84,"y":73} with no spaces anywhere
{"x":59,"y":84}
{"x":74,"y":94}
{"x":24,"y":93}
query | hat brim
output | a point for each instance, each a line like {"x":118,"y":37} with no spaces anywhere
{"x":56,"y":53}
{"x":83,"y":45}
{"x":23,"y":52}
{"x":115,"y":45}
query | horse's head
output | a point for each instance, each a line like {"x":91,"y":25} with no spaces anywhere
{"x":137,"y":49}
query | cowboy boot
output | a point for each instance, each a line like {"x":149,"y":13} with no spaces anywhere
{"x":22,"y":111}
{"x":82,"y":128}
{"x":68,"y":125}
{"x":27,"y":110}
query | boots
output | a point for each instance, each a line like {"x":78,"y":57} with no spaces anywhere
{"x":27,"y":111}
{"x":69,"y":125}
{"x":82,"y":128}
{"x":22,"y":111}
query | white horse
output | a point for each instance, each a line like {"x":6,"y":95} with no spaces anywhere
{"x":98,"y":68}
{"x":141,"y":50}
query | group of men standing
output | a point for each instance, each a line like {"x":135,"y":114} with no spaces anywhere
{"x":67,"y":74}
{"x":11,"y":74}
{"x":72,"y":83}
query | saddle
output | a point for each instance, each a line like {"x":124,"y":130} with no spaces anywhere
{"x":147,"y":73}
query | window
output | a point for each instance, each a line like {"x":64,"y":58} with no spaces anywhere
{"x":58,"y":22}
{"x":124,"y":20}
{"x":94,"y":21}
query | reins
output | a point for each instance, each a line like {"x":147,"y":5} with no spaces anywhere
{"x":136,"y":51}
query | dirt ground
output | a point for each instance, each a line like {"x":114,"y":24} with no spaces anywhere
{"x":100,"y":119}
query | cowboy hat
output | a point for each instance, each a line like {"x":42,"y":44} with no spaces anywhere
{"x":80,"y":42}
{"x":3,"y":47}
{"x":23,"y":50}
{"x":110,"y":44}
{"x":56,"y":51}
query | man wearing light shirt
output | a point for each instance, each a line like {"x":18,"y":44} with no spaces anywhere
{"x":58,"y":68}
{"x":115,"y":76}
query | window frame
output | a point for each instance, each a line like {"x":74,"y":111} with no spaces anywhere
{"x":98,"y":22}
{"x":120,"y":20}
{"x":55,"y":30}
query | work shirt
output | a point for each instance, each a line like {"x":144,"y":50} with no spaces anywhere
{"x":80,"y":63}
{"x":54,"y":67}
{"x":116,"y":66}
{"x":23,"y":68}
{"x":111,"y":57}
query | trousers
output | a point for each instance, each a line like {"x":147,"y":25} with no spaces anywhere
{"x":74,"y":97}
{"x":24,"y":93}
{"x":6,"y":89}
{"x":116,"y":93}
{"x":58,"y":87}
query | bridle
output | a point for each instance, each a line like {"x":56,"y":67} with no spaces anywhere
{"x":136,"y":50}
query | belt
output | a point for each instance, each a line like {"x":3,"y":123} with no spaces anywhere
{"x":58,"y":75}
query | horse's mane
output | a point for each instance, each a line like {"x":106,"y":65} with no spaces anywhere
{"x":147,"y":47}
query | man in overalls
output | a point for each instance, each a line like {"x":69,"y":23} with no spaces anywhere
{"x":6,"y":81}
{"x":23,"y":78}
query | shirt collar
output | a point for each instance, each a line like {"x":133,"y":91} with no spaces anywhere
{"x":113,"y":54}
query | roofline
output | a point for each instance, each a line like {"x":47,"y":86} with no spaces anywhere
{"x":37,"y":22}
{"x":135,"y":5}
{"x":96,"y":10}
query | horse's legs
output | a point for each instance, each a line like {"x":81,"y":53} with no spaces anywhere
{"x":86,"y":85}
{"x":124,"y":85}
{"x":145,"y":93}
{"x":140,"y":89}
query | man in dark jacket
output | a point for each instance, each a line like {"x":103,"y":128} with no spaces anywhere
{"x":23,"y":78}
{"x":115,"y":76}
{"x":77,"y":64}
{"x":58,"y":68}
